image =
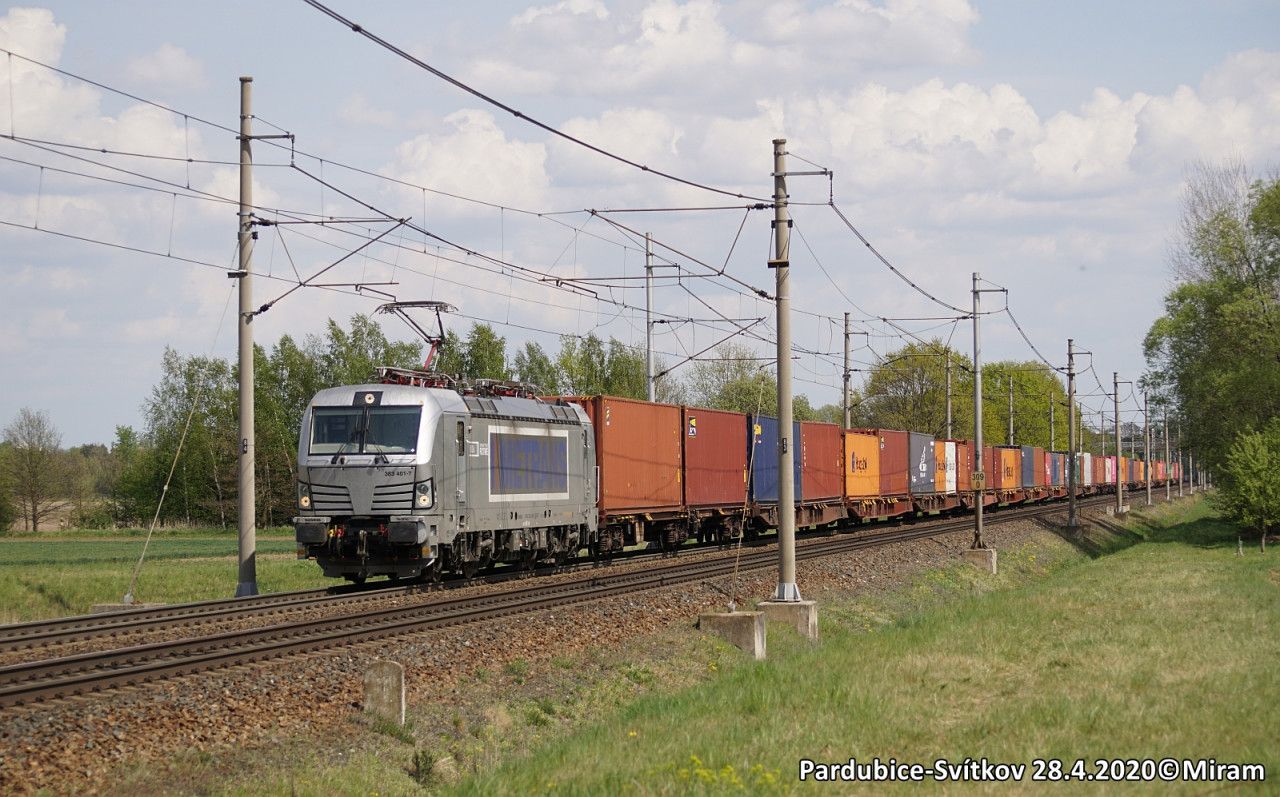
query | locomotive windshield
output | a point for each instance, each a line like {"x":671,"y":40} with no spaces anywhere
{"x":365,"y":430}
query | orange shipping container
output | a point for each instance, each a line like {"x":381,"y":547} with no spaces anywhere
{"x":862,"y":465}
{"x":1009,"y":471}
{"x":638,"y":450}
{"x":940,"y":465}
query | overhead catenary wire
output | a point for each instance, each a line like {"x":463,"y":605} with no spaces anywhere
{"x":387,"y":45}
{"x":502,"y":263}
{"x":879,"y":256}
{"x":294,"y":152}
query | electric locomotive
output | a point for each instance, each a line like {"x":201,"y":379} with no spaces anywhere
{"x":414,"y":476}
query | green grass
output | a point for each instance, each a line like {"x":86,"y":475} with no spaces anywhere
{"x":63,"y":573}
{"x":1161,"y":649}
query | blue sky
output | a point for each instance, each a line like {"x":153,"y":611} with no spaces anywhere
{"x":1044,"y":144}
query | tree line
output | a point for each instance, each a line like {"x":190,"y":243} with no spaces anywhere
{"x":190,"y":423}
{"x":1214,"y":355}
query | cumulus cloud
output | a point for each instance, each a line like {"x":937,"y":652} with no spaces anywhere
{"x":662,"y":46}
{"x":594,"y":8}
{"x":472,"y":156}
{"x":645,"y":136}
{"x":47,"y":105}
{"x":168,"y":67}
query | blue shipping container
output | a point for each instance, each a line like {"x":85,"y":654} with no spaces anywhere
{"x":763,"y":456}
{"x":922,"y":463}
{"x":1029,"y":466}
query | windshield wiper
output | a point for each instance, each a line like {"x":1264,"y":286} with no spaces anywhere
{"x":379,"y":457}
{"x":356,"y":434}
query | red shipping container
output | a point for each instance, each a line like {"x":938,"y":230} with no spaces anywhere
{"x":638,"y":451}
{"x":715,"y":457}
{"x":990,"y":467}
{"x":1040,"y":468}
{"x":821,"y":460}
{"x":893,"y":460}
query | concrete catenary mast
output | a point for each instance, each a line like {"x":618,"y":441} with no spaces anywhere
{"x":248,"y":574}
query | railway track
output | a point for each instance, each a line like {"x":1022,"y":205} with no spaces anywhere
{"x":34,"y":681}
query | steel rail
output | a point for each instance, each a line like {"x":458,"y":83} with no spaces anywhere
{"x":55,"y":678}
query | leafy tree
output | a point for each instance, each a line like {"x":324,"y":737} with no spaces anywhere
{"x":8,"y":507}
{"x":1035,"y":387}
{"x":625,"y":371}
{"x":452,"y":357}
{"x":532,"y":366}
{"x":205,"y":477}
{"x":1214,"y":352}
{"x":908,"y":390}
{"x":38,"y":471}
{"x":734,"y":380}
{"x":486,"y":354}
{"x":349,"y":357}
{"x":132,"y":491}
{"x":582,"y":364}
{"x":1248,"y":490}
{"x":92,"y":472}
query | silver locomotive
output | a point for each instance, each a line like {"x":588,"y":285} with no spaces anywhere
{"x":412,"y":478}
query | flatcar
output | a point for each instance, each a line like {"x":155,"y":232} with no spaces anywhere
{"x":414,"y":475}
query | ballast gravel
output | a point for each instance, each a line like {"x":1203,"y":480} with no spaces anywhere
{"x":75,"y":745}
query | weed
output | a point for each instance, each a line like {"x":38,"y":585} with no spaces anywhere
{"x":393,"y":729}
{"x":638,"y":674}
{"x":517,"y":669}
{"x":423,"y":767}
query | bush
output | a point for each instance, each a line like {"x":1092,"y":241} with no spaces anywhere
{"x":93,"y":517}
{"x":8,"y":512}
{"x":1249,"y":489}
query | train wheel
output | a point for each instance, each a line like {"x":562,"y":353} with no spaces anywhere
{"x":469,"y":569}
{"x":432,"y":573}
{"x":357,"y":580}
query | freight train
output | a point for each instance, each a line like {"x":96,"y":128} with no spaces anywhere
{"x":414,"y":475}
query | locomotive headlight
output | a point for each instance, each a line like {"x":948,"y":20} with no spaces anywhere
{"x":304,"y":496}
{"x":424,"y":494}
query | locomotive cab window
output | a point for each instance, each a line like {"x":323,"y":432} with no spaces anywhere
{"x":365,"y":430}
{"x":462,"y":439}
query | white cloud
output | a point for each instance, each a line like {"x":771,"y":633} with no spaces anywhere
{"x":641,"y":135}
{"x":474,"y":157}
{"x":168,"y":67}
{"x":587,"y":7}
{"x":31,"y":32}
{"x":665,"y":47}
{"x":357,"y":111}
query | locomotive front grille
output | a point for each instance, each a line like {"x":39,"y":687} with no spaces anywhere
{"x":330,"y":498}
{"x":393,"y":497}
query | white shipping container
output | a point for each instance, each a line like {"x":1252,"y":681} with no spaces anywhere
{"x":1087,"y":469}
{"x":1110,"y":469}
{"x":951,"y":467}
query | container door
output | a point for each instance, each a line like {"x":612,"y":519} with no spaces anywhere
{"x":951,"y":467}
{"x":461,"y":438}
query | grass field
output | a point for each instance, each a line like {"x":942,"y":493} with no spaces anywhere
{"x":53,"y":574}
{"x":1165,"y":648}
